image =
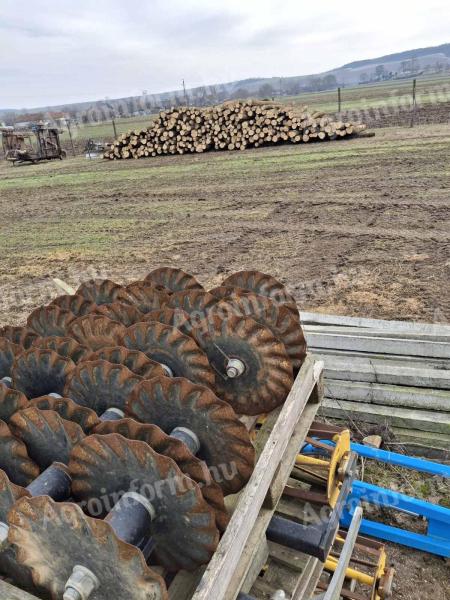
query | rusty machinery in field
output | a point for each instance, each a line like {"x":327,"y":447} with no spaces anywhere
{"x":40,"y":143}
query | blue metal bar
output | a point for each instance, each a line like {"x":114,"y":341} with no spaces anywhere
{"x":435,"y":541}
{"x":392,"y":458}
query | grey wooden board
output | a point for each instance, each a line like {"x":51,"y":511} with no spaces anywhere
{"x":406,"y":326}
{"x":388,"y":395}
{"x":381,"y":345}
{"x":407,"y":418}
{"x":395,"y":359}
{"x":376,"y":333}
{"x":382,"y":371}
{"x":9,"y":592}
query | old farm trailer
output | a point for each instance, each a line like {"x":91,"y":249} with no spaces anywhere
{"x":41,"y":143}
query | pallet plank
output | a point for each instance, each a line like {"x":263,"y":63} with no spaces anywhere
{"x":10,"y":592}
{"x":406,"y":326}
{"x":388,"y":395}
{"x":422,"y":420}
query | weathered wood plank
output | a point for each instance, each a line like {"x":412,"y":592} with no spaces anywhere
{"x":376,"y":333}
{"x":220,"y":570}
{"x":406,"y":326}
{"x":9,"y":592}
{"x":381,"y":345}
{"x":395,"y":359}
{"x":388,"y":395}
{"x":382,"y":371}
{"x":423,"y":420}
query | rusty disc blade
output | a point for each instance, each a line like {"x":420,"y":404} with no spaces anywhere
{"x":51,"y":538}
{"x":9,"y":567}
{"x":11,"y":401}
{"x":102,"y":291}
{"x":64,"y":346}
{"x":68,"y":410}
{"x":168,"y":346}
{"x":126,"y":314}
{"x":174,"y":279}
{"x":175,"y":317}
{"x":169,"y":446}
{"x":50,"y":320}
{"x":268,"y":374}
{"x":100,"y":385}
{"x":145,"y":297}
{"x":75,"y":303}
{"x":225,"y":443}
{"x":96,"y":331}
{"x":47,"y":437}
{"x":8,"y":352}
{"x":264,"y":285}
{"x":196,"y":303}
{"x":276,"y":317}
{"x":136,"y":361}
{"x":224,"y":291}
{"x":21,"y":336}
{"x":14,"y":458}
{"x":37,"y":372}
{"x":184,"y":528}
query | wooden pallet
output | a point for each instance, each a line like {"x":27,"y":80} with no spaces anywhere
{"x":243,"y":549}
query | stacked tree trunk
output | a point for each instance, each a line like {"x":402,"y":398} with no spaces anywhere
{"x":229,"y":126}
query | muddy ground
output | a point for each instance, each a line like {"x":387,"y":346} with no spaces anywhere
{"x":358,"y":227}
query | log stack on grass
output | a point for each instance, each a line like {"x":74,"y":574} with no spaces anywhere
{"x":229,"y":126}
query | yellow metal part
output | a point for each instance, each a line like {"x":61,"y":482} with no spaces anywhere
{"x":375,"y":581}
{"x":336,"y":465}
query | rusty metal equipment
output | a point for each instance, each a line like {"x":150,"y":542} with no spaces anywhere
{"x":177,"y":511}
{"x":41,"y":143}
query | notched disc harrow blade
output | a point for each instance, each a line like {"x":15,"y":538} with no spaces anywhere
{"x":37,"y":372}
{"x":173,"y":279}
{"x":47,"y":437}
{"x":196,"y":303}
{"x":225,"y":444}
{"x":9,"y":567}
{"x":76,"y":304}
{"x":276,"y":317}
{"x":145,"y":297}
{"x":69,"y":410}
{"x":137,"y":362}
{"x":169,"y":446}
{"x":64,"y":346}
{"x":14,"y":458}
{"x":22,"y":336}
{"x":11,"y":401}
{"x":184,"y":528}
{"x":175,"y":317}
{"x":268,"y":375}
{"x":102,"y":291}
{"x":96,"y":331}
{"x":8,"y":352}
{"x":168,"y":346}
{"x":50,"y":320}
{"x":51,"y":538}
{"x":126,"y":314}
{"x":265,"y":285}
{"x":100,"y":385}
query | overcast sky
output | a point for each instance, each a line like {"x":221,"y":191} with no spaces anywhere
{"x":57,"y":51}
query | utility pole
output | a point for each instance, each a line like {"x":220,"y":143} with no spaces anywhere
{"x":70,"y":136}
{"x":185,"y":94}
{"x":339,"y":100}
{"x":113,"y":113}
{"x":281,"y":89}
{"x":414,"y":103}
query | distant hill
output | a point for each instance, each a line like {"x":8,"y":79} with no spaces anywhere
{"x":434,"y":59}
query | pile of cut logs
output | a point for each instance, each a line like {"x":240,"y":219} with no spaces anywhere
{"x":229,"y":126}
